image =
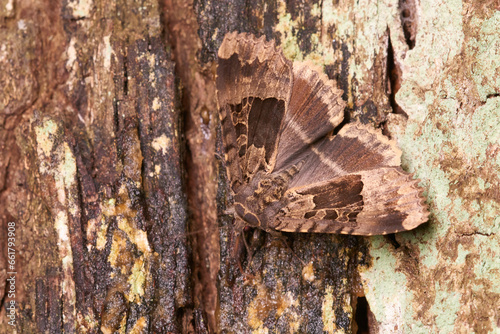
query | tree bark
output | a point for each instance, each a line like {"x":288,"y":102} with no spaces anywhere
{"x":114,"y":197}
{"x":100,"y":209}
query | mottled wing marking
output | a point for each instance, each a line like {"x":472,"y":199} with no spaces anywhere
{"x":253,"y":86}
{"x":379,"y":201}
{"x":339,"y":199}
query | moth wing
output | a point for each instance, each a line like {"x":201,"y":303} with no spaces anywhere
{"x":316,"y":108}
{"x":357,"y":147}
{"x":380,"y":201}
{"x":254,"y":83}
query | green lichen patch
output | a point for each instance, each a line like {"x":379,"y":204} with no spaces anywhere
{"x":452,"y":142}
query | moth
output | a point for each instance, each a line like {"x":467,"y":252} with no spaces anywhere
{"x":287,"y":170}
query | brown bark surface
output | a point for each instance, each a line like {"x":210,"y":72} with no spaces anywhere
{"x":94,"y":176}
{"x":111,"y":170}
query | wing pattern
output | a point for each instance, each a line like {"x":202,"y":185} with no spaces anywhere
{"x":287,"y":170}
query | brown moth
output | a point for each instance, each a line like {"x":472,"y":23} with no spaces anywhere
{"x":286,"y":169}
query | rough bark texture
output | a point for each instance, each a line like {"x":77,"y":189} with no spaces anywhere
{"x":91,"y":97}
{"x":92,"y":169}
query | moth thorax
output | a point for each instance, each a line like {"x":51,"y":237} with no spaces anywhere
{"x":257,"y":202}
{"x":270,"y":189}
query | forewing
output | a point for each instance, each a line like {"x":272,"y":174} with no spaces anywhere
{"x":316,"y":108}
{"x":380,"y":201}
{"x":254,"y":83}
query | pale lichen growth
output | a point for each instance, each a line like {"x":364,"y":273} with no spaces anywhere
{"x":44,"y":138}
{"x":308,"y":272}
{"x":71,"y":54}
{"x":152,"y":60}
{"x":62,"y":229}
{"x":161,"y":144}
{"x":58,"y":163}
{"x":141,"y":326}
{"x":328,"y":312}
{"x":156,"y":104}
{"x":285,"y":26}
{"x":91,"y":230}
{"x":9,"y":8}
{"x":322,"y":53}
{"x":101,"y":234}
{"x":21,"y":25}
{"x":71,"y":67}
{"x":152,"y":65}
{"x":81,"y":8}
{"x":266,"y":301}
{"x":66,"y":180}
{"x":108,"y":207}
{"x":118,"y":246}
{"x":107,"y":52}
{"x":61,"y":225}
{"x":136,"y":280}
{"x":136,"y":236}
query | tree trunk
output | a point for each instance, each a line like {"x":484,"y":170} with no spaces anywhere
{"x":114,"y":197}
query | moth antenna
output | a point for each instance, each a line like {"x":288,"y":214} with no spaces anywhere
{"x":218,"y":157}
{"x":240,"y":235}
{"x":296,"y":256}
{"x":249,"y":251}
